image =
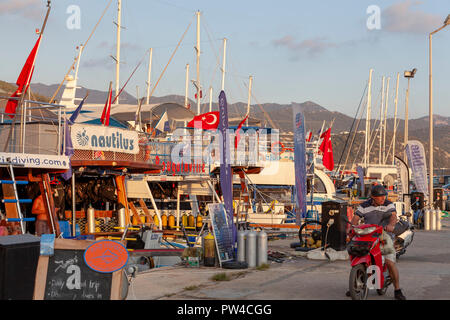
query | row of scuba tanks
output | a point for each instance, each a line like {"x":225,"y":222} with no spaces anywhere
{"x":169,"y":221}
{"x":252,"y":247}
{"x":432,"y":219}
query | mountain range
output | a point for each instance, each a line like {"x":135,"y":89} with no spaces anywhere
{"x":280,"y":116}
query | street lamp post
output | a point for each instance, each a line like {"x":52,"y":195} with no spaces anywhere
{"x":446,"y":23}
{"x":409,"y":75}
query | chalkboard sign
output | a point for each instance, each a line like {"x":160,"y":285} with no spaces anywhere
{"x":65,"y":275}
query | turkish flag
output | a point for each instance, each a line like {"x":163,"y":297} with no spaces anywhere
{"x":238,"y":136}
{"x":24,"y":79}
{"x":107,"y":108}
{"x":206,"y":121}
{"x":327,"y":150}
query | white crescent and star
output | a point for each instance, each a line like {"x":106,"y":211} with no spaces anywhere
{"x":214,"y":117}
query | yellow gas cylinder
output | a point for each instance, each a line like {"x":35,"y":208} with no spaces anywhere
{"x":164,"y":221}
{"x":184,"y":220}
{"x":209,"y":250}
{"x":171,"y":221}
{"x":156,"y":220}
{"x":191,"y":221}
{"x":135,"y":220}
{"x":199,"y":222}
{"x":142,"y":218}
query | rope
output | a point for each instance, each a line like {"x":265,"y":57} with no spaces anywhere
{"x":84,"y":46}
{"x":170,"y":59}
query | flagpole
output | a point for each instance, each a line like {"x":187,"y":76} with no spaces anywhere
{"x":22,"y":96}
{"x":250,"y":80}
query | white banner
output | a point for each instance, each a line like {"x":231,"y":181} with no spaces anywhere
{"x":418,"y":164}
{"x":42,"y":161}
{"x":101,"y":138}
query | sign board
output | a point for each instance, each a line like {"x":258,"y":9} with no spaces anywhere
{"x":66,"y":276}
{"x":223,"y":233}
{"x":29,"y":160}
{"x":102,"y":138}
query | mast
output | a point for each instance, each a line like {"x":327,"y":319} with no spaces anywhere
{"x":119,"y":9}
{"x":249,"y":97}
{"x":210,"y":98}
{"x":223,"y":62}
{"x":197,"y":48}
{"x":385,"y":119}
{"x":380,"y":127}
{"x":149,"y":74}
{"x":187,"y":84}
{"x":367,"y":141}
{"x":395,"y":118}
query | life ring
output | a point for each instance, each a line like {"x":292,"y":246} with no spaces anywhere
{"x":282,"y":147}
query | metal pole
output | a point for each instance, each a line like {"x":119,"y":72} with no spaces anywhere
{"x":210,"y":98}
{"x":430,"y":191}
{"x":406,"y":116}
{"x":149,"y":74}
{"x":395,"y":117}
{"x":119,"y":9}
{"x":380,"y":127}
{"x":187,"y":84}
{"x":369,"y":101}
{"x":198,"y":62}
{"x":386,"y":103}
{"x":73,"y":205}
{"x":249,"y":97}
{"x":223,"y":62}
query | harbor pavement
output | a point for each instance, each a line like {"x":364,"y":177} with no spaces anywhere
{"x":424,"y":275}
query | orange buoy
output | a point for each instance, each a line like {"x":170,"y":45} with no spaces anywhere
{"x":191,"y":221}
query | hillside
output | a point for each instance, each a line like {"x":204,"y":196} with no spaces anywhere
{"x":281,"y":116}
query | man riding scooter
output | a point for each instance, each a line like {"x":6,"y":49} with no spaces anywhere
{"x":373,"y":211}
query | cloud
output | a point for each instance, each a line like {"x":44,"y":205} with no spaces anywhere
{"x":33,"y":9}
{"x":402,"y":18}
{"x":311,"y":47}
{"x":104,"y":62}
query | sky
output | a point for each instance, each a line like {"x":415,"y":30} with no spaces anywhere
{"x":295,"y":50}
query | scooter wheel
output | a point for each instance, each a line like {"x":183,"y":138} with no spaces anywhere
{"x":358,"y":282}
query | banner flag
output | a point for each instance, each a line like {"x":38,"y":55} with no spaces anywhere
{"x":299,"y":162}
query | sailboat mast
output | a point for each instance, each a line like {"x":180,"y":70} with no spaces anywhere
{"x":223,"y":62}
{"x":395,"y":118}
{"x":369,"y":101}
{"x":186,"y":88}
{"x":210,"y":98}
{"x":149,"y":74}
{"x":198,"y":62}
{"x":250,"y":81}
{"x":119,"y":9}
{"x":380,"y":127}
{"x":385,"y":119}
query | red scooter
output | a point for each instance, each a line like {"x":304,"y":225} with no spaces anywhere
{"x":369,"y":270}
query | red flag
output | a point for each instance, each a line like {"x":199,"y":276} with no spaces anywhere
{"x":238,"y":136}
{"x":207,"y":121}
{"x":308,"y":139}
{"x":24,"y":79}
{"x":106,"y":110}
{"x":327,"y":150}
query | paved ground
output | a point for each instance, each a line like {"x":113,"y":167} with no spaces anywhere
{"x":424,"y":275}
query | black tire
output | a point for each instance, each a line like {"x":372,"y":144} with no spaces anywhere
{"x":358,"y":282}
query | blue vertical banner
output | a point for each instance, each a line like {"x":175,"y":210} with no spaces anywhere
{"x":299,"y":162}
{"x":225,"y":163}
